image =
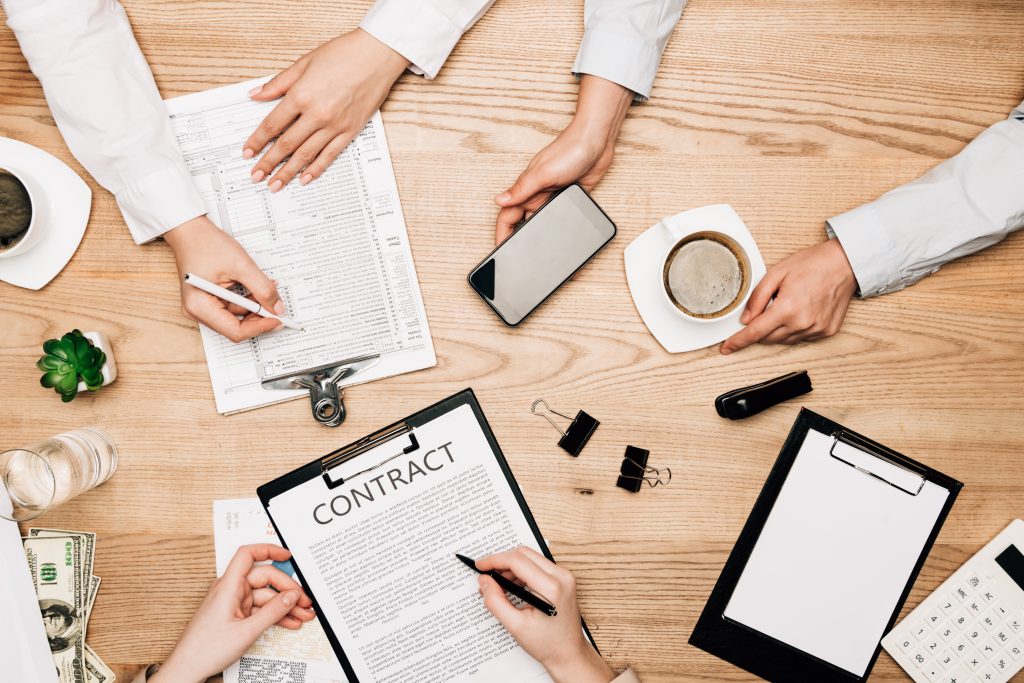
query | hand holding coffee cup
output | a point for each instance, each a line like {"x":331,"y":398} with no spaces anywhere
{"x":706,"y":276}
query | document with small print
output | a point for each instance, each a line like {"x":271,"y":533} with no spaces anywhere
{"x":279,"y":655}
{"x":338,"y":248}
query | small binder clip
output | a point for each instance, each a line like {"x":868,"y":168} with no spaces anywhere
{"x":579,"y":432}
{"x":634,"y":471}
{"x":325,"y":396}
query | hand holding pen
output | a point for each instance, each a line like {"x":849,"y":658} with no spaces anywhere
{"x":556,"y":641}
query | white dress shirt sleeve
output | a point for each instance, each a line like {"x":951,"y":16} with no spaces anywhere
{"x":423,"y":31}
{"x":961,"y":206}
{"x":623,"y":40}
{"x":103,"y":97}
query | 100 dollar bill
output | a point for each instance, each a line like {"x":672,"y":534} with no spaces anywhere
{"x":56,"y":567}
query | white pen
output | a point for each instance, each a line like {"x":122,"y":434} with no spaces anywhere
{"x":231,"y":297}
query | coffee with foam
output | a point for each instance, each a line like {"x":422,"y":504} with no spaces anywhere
{"x":706,"y":275}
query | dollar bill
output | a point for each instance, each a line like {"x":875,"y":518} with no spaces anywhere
{"x":89,"y":544}
{"x":96,"y":670}
{"x":94,"y":588}
{"x":56,"y":567}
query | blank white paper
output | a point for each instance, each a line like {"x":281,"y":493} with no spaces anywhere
{"x":834,"y":557}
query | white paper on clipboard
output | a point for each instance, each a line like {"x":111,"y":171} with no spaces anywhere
{"x":836,"y":552}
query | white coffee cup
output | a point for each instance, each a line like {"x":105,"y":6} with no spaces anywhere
{"x":721,"y":261}
{"x":39,"y":223}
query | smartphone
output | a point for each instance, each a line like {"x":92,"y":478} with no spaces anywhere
{"x":539,"y":257}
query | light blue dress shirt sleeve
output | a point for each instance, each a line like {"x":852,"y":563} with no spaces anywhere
{"x":623,"y":40}
{"x":961,"y":206}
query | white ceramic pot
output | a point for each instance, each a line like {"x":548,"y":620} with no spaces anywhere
{"x":109,"y":370}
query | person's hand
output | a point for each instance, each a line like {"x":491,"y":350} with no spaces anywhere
{"x":556,"y":642}
{"x":811,"y":291}
{"x":329,"y":95}
{"x":240,"y":606}
{"x":581,"y":153}
{"x":202,"y":248}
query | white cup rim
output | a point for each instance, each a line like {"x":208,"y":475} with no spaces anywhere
{"x":4,"y":491}
{"x":34,"y":233}
{"x":741,"y":302}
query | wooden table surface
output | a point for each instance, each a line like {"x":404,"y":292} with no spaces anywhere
{"x":791,"y":111}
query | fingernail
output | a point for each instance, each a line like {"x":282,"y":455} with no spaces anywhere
{"x":503,"y":197}
{"x":745,"y":317}
{"x":290,"y":598}
{"x":726,"y":351}
{"x":256,"y":90}
{"x":305,"y":179}
{"x":279,"y":307}
{"x":258,"y":175}
{"x":247,"y":153}
{"x":276,"y":185}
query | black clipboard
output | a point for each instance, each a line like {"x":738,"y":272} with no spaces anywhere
{"x":403,"y":434}
{"x":764,"y":655}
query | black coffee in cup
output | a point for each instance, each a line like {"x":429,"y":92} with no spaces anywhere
{"x":706,"y":275}
{"x":15,"y":210}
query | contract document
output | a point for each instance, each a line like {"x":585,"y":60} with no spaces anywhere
{"x":279,"y":655}
{"x":338,"y":248}
{"x":377,"y":554}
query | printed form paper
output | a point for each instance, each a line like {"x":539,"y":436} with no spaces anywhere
{"x":834,"y":556}
{"x":378,"y":552}
{"x":279,"y":655}
{"x":338,"y":247}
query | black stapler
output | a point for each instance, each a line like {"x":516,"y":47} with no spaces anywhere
{"x":740,"y":403}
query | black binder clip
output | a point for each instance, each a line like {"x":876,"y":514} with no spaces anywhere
{"x":578,"y":433}
{"x":740,"y":403}
{"x":634,"y":471}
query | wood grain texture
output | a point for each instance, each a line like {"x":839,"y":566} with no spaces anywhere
{"x":792,"y":111}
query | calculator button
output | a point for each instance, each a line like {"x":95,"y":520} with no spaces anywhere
{"x":1015,"y":624}
{"x":1001,"y":664}
{"x":906,"y":643}
{"x":947,"y":605}
{"x":931,"y":646}
{"x":1001,"y":611}
{"x":933,"y":618}
{"x":956,"y":676}
{"x":932,"y":672}
{"x":947,"y":631}
{"x":973,"y":580}
{"x":960,"y":646}
{"x":1002,"y":636}
{"x":988,"y":596}
{"x":974,"y":634}
{"x":961,"y":619}
{"x":919,"y":658}
{"x":919,"y":630}
{"x":988,"y":648}
{"x":974,"y":661}
{"x":1016,"y":651}
{"x":975,"y":606}
{"x":961,"y":593}
{"x":987,"y":621}
{"x":947,"y":660}
{"x":987,"y":674}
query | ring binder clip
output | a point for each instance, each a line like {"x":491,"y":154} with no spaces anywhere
{"x":578,"y":433}
{"x":325,"y":396}
{"x":634,"y":471}
{"x":891,"y":460}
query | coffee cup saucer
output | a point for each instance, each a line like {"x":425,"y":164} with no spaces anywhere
{"x":69,"y":201}
{"x":644,"y":258}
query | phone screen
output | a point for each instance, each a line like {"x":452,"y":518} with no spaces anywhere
{"x":542,"y":254}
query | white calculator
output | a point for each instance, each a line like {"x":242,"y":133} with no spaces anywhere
{"x":971,"y":629}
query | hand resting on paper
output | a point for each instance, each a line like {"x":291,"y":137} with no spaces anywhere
{"x":202,"y":248}
{"x":808,"y":293}
{"x":240,"y":606}
{"x":328,"y":95}
{"x":556,"y":642}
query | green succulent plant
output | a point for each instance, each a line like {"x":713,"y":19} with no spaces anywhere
{"x":68,"y":359}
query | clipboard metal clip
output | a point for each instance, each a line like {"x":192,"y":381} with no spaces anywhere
{"x":910,"y":481}
{"x":367,"y":443}
{"x":325,"y":396}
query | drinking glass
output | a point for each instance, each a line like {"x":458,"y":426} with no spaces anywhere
{"x":51,"y":471}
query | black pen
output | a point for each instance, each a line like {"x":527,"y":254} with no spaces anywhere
{"x":521,"y":592}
